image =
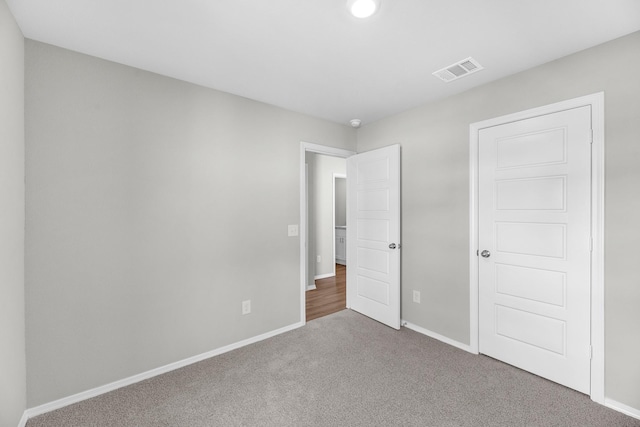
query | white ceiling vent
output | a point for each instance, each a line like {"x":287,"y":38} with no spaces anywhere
{"x":459,"y":69}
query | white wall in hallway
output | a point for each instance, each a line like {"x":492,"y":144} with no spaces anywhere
{"x":321,"y":203}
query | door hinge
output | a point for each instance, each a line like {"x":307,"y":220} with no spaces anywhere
{"x":590,"y":352}
{"x":478,"y":252}
{"x":590,"y":136}
{"x":591,"y":244}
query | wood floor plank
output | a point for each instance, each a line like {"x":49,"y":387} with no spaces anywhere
{"x":329,"y":296}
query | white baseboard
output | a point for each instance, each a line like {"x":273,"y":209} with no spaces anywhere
{"x":61,"y":403}
{"x":311,"y":287}
{"x":323,"y":276}
{"x":621,"y":407}
{"x":437,"y":336}
{"x":66,"y":401}
{"x":23,"y":420}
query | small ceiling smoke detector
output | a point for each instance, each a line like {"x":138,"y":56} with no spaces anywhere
{"x":458,"y":70}
{"x":355,"y":123}
{"x":363,"y":8}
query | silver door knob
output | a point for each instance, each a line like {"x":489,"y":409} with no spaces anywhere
{"x":392,"y":246}
{"x":485,"y":254}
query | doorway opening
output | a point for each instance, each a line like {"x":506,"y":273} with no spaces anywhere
{"x":308,"y":242}
{"x":326,"y":234}
{"x":373,"y":231}
{"x":330,"y":294}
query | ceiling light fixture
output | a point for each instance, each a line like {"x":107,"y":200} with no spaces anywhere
{"x":363,"y":8}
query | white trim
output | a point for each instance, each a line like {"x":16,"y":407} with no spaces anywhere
{"x":311,"y":288}
{"x":621,"y":407}
{"x":69,"y":400}
{"x":596,"y":101}
{"x":436,"y":336}
{"x":474,"y":278}
{"x":23,"y":420}
{"x":306,"y":220}
{"x":597,"y":255}
{"x":324,"y":276}
{"x":319,"y":149}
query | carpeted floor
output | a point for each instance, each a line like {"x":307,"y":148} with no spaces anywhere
{"x":342,"y":370}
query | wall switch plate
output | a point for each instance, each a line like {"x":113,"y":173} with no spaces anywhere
{"x":246,"y":306}
{"x":416,"y":296}
{"x":292,"y":230}
{"x":319,"y":258}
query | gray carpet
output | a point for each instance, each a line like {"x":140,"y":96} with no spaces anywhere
{"x":341,"y":370}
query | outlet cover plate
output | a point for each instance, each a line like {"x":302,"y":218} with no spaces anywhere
{"x":246,"y":306}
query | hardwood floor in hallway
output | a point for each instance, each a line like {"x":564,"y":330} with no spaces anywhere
{"x":329,"y":296}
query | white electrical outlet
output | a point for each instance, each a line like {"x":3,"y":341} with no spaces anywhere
{"x":416,"y":296}
{"x":292,"y":230}
{"x":246,"y":306}
{"x":319,"y":258}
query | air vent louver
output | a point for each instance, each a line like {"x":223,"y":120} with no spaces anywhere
{"x":459,"y":69}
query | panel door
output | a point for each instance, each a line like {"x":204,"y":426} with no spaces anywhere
{"x":534,"y":224}
{"x":373,"y":233}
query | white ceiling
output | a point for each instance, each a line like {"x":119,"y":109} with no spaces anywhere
{"x":311,"y":56}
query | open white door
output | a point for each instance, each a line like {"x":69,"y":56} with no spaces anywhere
{"x":373,"y":234}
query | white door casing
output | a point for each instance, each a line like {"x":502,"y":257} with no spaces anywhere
{"x":373,"y":233}
{"x":535,"y":242}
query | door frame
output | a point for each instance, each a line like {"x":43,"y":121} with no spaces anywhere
{"x":596,"y":102}
{"x":308,"y":147}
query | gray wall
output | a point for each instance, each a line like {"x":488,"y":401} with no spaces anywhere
{"x":12,"y":330}
{"x":321,"y":172}
{"x":435,"y":194}
{"x":154,"y":207}
{"x":341,"y":201}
